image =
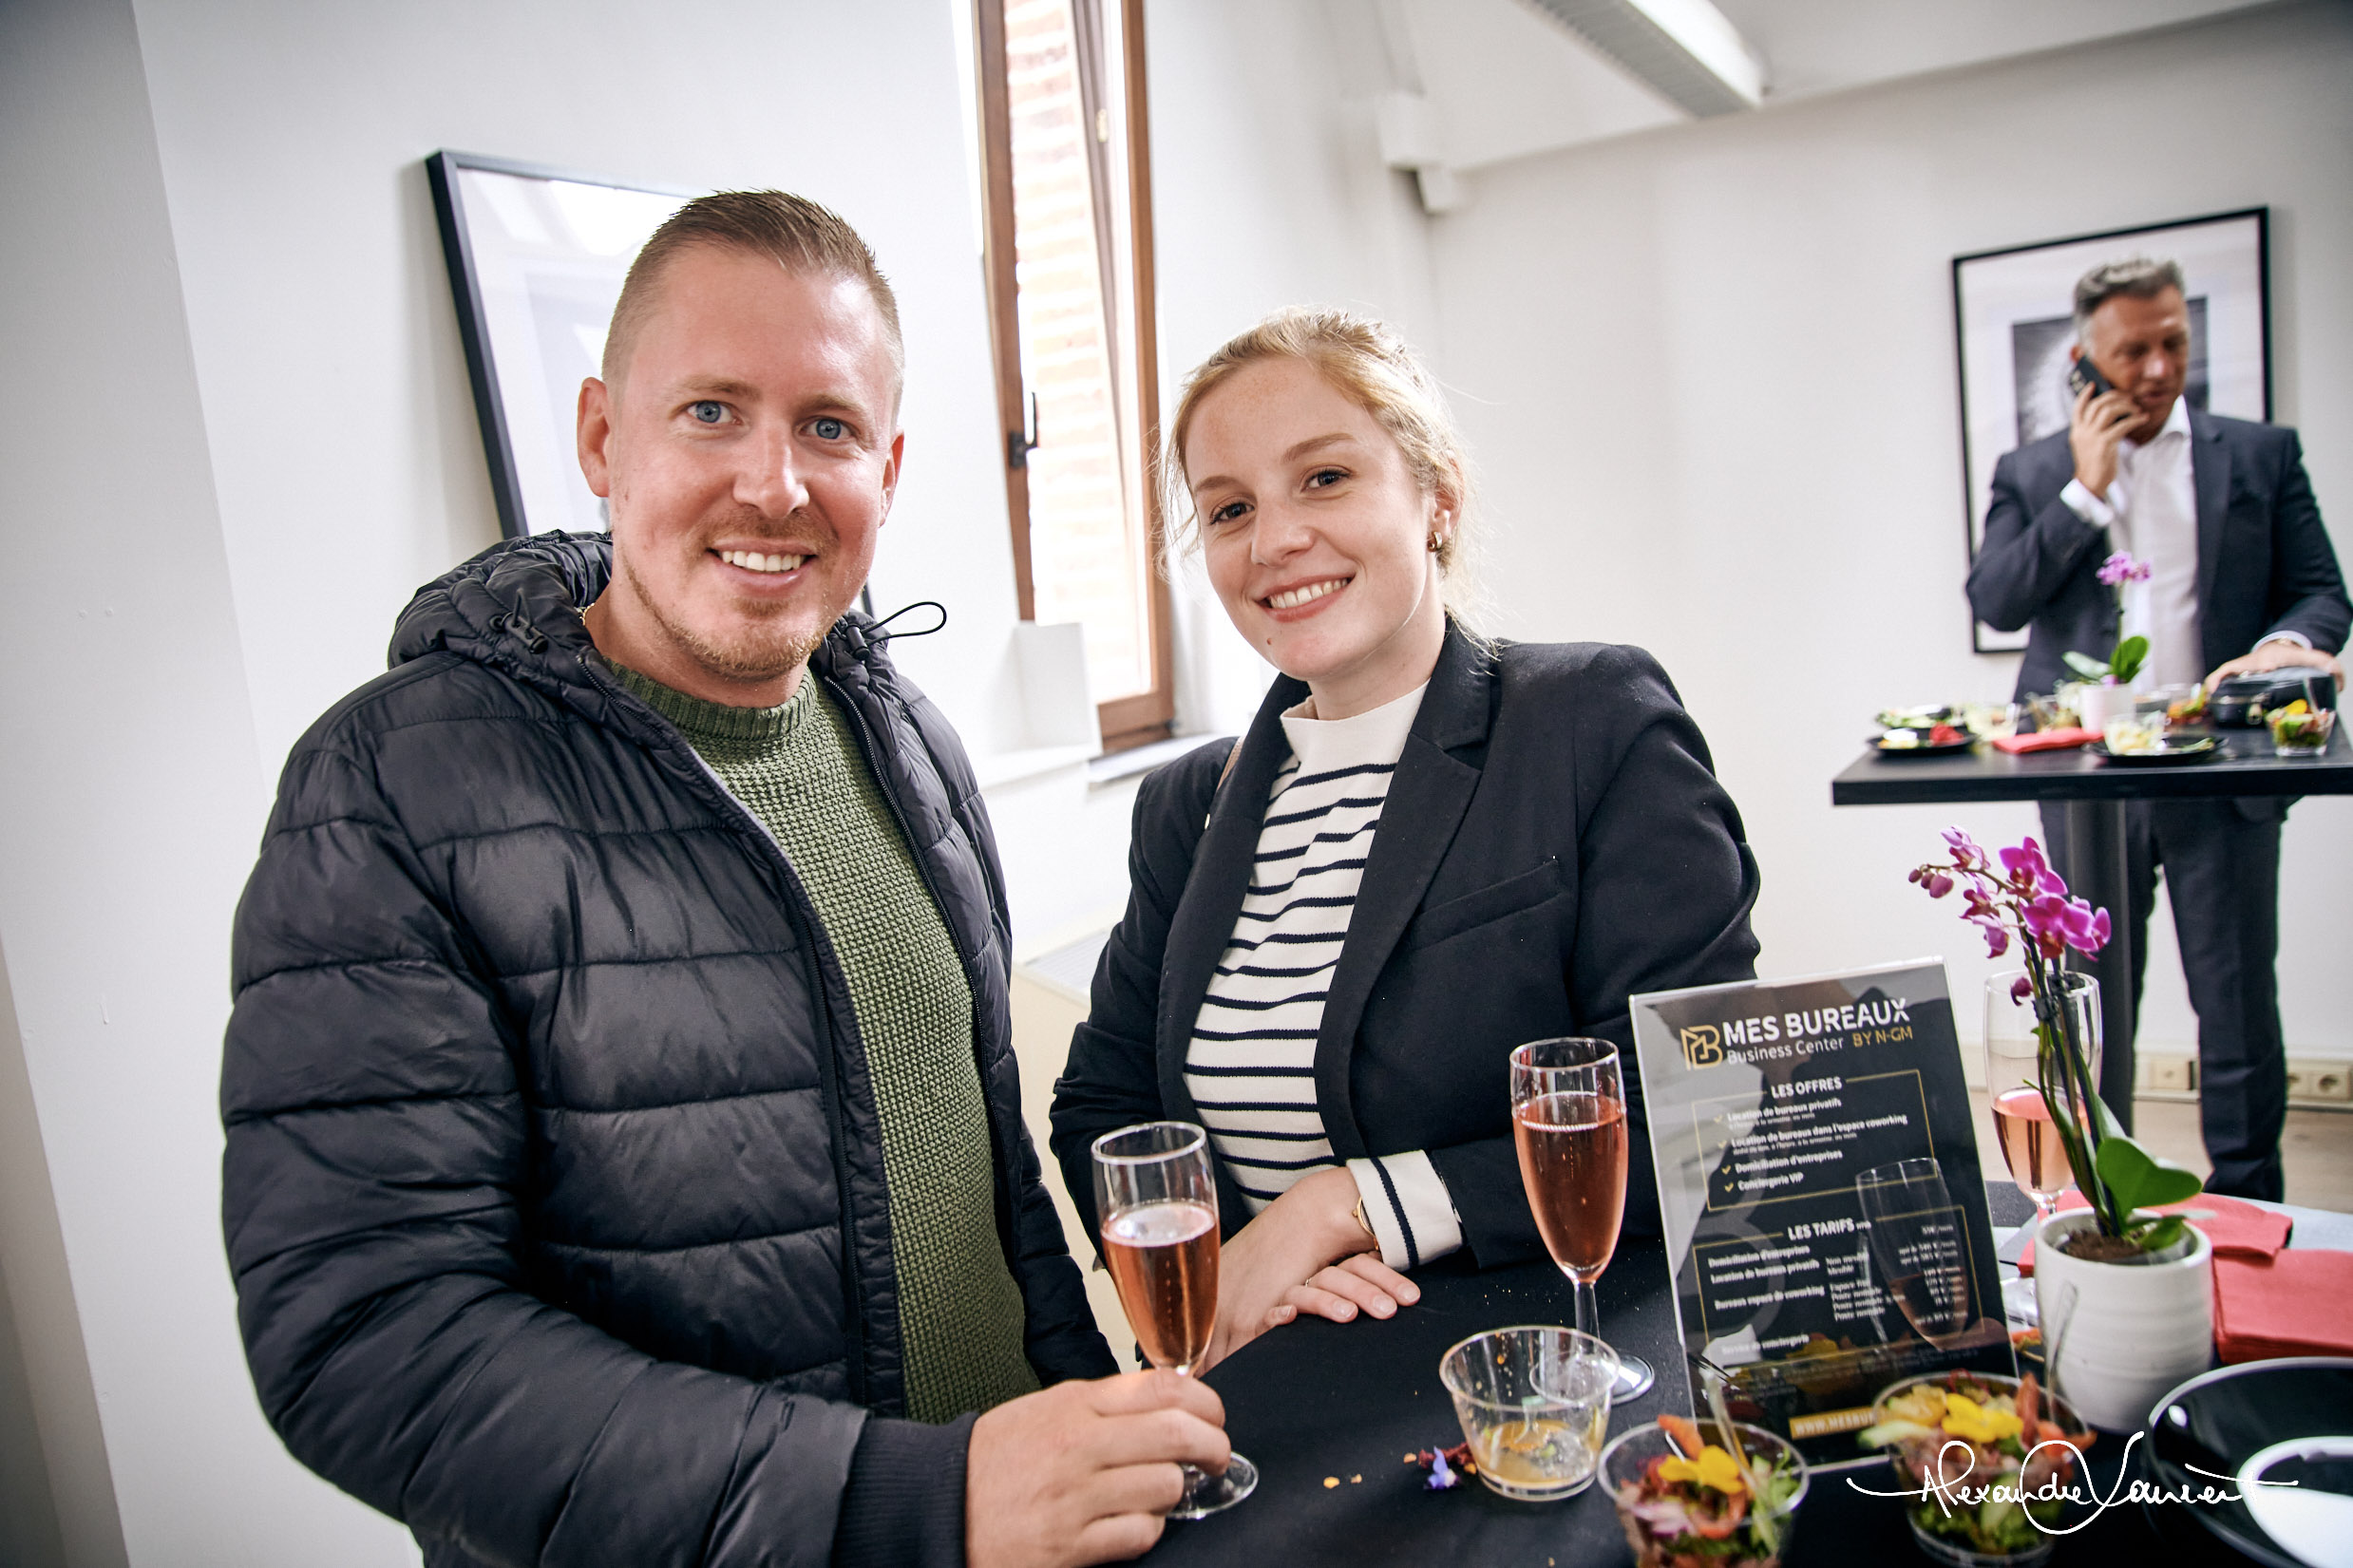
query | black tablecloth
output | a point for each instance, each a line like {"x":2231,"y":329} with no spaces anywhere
{"x":1328,"y":1410}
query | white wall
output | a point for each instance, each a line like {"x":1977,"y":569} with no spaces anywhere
{"x":1709,"y":371}
{"x":1269,"y":191}
{"x":342,"y":426}
{"x":127,"y":810}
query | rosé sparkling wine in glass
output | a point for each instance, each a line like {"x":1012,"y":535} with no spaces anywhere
{"x":2030,"y":1145}
{"x":1164,"y":1259}
{"x":1156,"y":1201}
{"x":1568,"y":1123}
{"x":1573,"y":1162}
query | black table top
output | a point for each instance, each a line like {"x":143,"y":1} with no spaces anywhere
{"x":2251,"y":767}
{"x":1328,"y":1411}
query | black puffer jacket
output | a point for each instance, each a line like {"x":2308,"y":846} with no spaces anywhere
{"x":554,"y":1190}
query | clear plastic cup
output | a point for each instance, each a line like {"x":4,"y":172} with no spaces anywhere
{"x":2303,"y":735}
{"x":1535,"y":1406}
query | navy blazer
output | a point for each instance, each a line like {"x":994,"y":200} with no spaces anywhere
{"x":1554,"y":841}
{"x":2265,"y":564}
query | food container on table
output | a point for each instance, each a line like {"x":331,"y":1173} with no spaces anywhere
{"x":2056,"y":709}
{"x":1991,"y":1533}
{"x":2134,"y":734}
{"x":1658,"y":1539}
{"x":2299,"y":730}
{"x":2241,"y":702}
{"x":1534,"y":1407}
{"x":2175,"y":707}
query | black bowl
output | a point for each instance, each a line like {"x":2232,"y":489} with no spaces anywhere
{"x":2203,"y":1433}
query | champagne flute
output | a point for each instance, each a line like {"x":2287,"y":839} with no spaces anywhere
{"x":2030,"y":1145}
{"x":1568,"y":1118}
{"x":1917,"y":1243}
{"x":1156,"y":1201}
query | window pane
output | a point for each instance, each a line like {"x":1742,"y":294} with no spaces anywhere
{"x":1087,"y":556}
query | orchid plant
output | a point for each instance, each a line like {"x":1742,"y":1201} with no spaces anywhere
{"x":2132,"y":652}
{"x":2023,"y":900}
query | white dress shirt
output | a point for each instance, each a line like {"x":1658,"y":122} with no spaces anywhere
{"x":2150,"y":511}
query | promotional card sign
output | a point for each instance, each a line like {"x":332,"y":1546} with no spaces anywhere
{"x":1819,"y":1185}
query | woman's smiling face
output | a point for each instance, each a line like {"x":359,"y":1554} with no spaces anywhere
{"x":1317,"y":535}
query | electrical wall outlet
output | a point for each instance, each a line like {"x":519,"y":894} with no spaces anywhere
{"x":2322,"y":1081}
{"x":2168,"y":1074}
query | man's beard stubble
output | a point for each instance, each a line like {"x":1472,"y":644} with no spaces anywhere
{"x":765,"y":651}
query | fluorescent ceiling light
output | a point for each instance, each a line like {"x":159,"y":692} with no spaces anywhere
{"x":1685,"y":50}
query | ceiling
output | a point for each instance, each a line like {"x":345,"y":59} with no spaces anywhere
{"x":1508,"y":80}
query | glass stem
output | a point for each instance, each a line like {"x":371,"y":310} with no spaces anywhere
{"x":1589,"y":1311}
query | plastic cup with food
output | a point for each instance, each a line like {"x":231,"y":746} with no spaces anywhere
{"x":1683,"y":1494}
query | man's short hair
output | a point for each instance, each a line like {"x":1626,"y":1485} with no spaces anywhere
{"x":2137,"y":278}
{"x":792,"y":231}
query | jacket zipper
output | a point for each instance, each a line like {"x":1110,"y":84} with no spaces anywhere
{"x":853,"y":1284}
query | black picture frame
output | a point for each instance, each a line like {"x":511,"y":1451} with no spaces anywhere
{"x":533,"y":478}
{"x":2012,"y":308}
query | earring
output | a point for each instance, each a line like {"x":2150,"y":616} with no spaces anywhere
{"x":1438,"y":542}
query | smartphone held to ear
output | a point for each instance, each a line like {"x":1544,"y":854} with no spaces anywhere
{"x":2083,"y":374}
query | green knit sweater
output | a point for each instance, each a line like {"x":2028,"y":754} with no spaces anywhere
{"x":799,"y":770}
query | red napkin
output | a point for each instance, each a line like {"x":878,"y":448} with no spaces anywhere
{"x":2292,"y":1305}
{"x":2236,"y":1229}
{"x":2045,"y":740}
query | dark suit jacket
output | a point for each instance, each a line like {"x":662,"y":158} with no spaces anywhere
{"x":2265,"y":563}
{"x":1553,"y":842}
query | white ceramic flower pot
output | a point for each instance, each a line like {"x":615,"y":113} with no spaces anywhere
{"x":2132,"y":1332}
{"x":2099,"y":703}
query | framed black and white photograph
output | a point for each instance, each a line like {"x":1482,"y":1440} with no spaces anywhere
{"x":536,"y":260}
{"x":2013,"y":316}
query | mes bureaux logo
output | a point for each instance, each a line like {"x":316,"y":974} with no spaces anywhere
{"x":1703,"y":1045}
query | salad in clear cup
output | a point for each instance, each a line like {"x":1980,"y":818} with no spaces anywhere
{"x":1686,"y":1501}
{"x":1985,"y":1459}
{"x":2300,"y":730}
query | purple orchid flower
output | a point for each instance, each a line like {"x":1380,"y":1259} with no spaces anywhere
{"x":2122,"y":568}
{"x":2030,"y":872}
{"x":1967,"y":854}
{"x":1932,"y":879}
{"x":2057,"y":923}
{"x":2021,"y":989}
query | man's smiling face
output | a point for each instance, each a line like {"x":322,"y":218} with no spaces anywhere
{"x":749,"y":448}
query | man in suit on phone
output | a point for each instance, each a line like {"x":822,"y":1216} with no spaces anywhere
{"x":2241,"y":579}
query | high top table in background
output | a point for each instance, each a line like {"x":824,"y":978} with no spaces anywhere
{"x":2093,"y":792}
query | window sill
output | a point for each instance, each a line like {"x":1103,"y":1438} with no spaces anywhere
{"x":1142,"y":759}
{"x":1006,"y":767}
{"x":1001,"y":769}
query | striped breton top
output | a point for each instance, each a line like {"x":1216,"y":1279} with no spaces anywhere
{"x":1250,"y":1067}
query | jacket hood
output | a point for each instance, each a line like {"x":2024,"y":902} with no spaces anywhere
{"x":516,"y":607}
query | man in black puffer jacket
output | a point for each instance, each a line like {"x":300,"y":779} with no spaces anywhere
{"x":625,"y":1163}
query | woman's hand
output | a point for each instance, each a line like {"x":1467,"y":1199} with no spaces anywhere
{"x":1306,"y":1253}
